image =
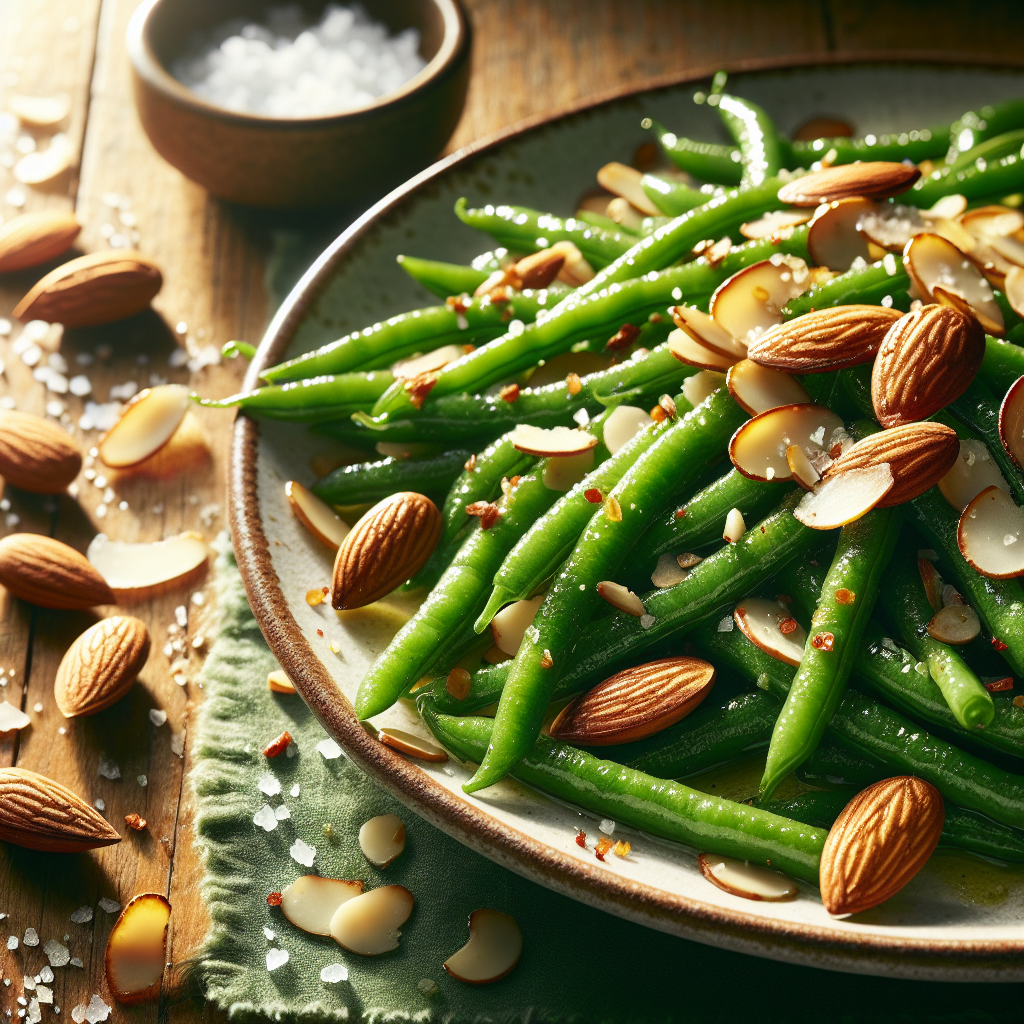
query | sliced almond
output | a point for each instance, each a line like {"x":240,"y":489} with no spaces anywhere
{"x":833,"y":238}
{"x":932,"y":582}
{"x":804,"y":473}
{"x":623,"y":212}
{"x":955,"y":624}
{"x":621,"y":597}
{"x":136,"y":949}
{"x":311,"y":902}
{"x":668,"y":572}
{"x":575,"y":270}
{"x":411,"y":745}
{"x":511,"y":623}
{"x":636,"y":702}
{"x":749,"y":302}
{"x":707,"y":332}
{"x":316,"y":516}
{"x":34,"y":238}
{"x":551,"y":441}
{"x":877,"y":179}
{"x":735,"y":527}
{"x":538,"y":269}
{"x":625,"y":181}
{"x":278,"y":682}
{"x":762,"y":622}
{"x":45,"y":572}
{"x":946,"y":208}
{"x":758,"y":448}
{"x":46,"y":165}
{"x":989,"y":535}
{"x":564,"y":472}
{"x":690,"y":351}
{"x":994,"y":221}
{"x":382,"y":839}
{"x":40,"y":111}
{"x":757,"y":388}
{"x":406,"y":369}
{"x":368,"y":924}
{"x":845,"y":497}
{"x":751,"y":881}
{"x":774,"y":222}
{"x":36,"y":454}
{"x":623,"y":425}
{"x":700,"y":386}
{"x":137,"y":572}
{"x":1011,"y":422}
{"x":495,"y":943}
{"x":146,"y":425}
{"x":890,"y":226}
{"x":973,"y":471}
{"x":944,"y":297}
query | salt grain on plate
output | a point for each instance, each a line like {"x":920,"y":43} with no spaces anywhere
{"x":109,"y":906}
{"x":80,"y":386}
{"x":78,"y":1013}
{"x":100,"y":804}
{"x":302,"y":853}
{"x":81,"y":915}
{"x":76,"y":962}
{"x":328,"y":749}
{"x":276,"y":958}
{"x":269,"y":784}
{"x":44,"y":994}
{"x":282,"y":813}
{"x":31,"y":937}
{"x":265,"y":818}
{"x":333,"y":973}
{"x":108,"y":768}
{"x":97,"y":1010}
{"x":295,"y":790}
{"x":12,"y":942}
{"x":46,"y":974}
{"x":142,"y":781}
{"x":157,"y":717}
{"x":269,"y":933}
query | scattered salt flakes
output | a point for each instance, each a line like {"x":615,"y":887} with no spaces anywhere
{"x":726,"y":625}
{"x":12,"y":717}
{"x":109,"y":906}
{"x":99,"y":415}
{"x":12,"y":942}
{"x":46,"y":974}
{"x":78,"y":1013}
{"x":303,"y":853}
{"x":269,"y":784}
{"x":85,"y":359}
{"x":8,"y":402}
{"x":181,"y":616}
{"x":80,"y":386}
{"x":31,"y":937}
{"x":179,"y":357}
{"x":295,"y":790}
{"x":101,"y":511}
{"x":76,"y":962}
{"x":108,"y":768}
{"x":32,"y":355}
{"x":15,"y":197}
{"x":13,"y":519}
{"x":62,"y":731}
{"x":29,"y":983}
{"x":333,"y":973}
{"x":269,"y":933}
{"x":646,"y":621}
{"x":181,"y":327}
{"x":55,"y":408}
{"x":37,"y":708}
{"x":100,"y":804}
{"x":208,"y":355}
{"x":81,"y":915}
{"x":177,"y":743}
{"x":5,"y":327}
{"x":276,"y":958}
{"x":293,"y":749}
{"x":34,"y":1013}
{"x":44,"y":994}
{"x":607,"y":826}
{"x":265,"y":818}
{"x":425,"y":986}
{"x":328,"y":749}
{"x":198,"y":598}
{"x":97,"y":1010}
{"x":142,"y":781}
{"x":282,"y":813}
{"x":157,"y":716}
{"x":122,"y":392}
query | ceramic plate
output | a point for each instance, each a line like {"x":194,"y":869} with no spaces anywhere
{"x":960,"y":918}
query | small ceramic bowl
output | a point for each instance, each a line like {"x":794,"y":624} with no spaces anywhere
{"x":299,"y":162}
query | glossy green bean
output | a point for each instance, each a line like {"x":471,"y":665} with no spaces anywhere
{"x":761,"y":153}
{"x":707,"y":161}
{"x":990,"y":149}
{"x":443,"y":279}
{"x":672,"y":197}
{"x":984,"y":180}
{"x":867,"y":286}
{"x":372,"y":481}
{"x":605,"y":223}
{"x":976,"y":126}
{"x":1003,"y":364}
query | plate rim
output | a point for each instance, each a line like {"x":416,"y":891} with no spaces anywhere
{"x":998,"y":960}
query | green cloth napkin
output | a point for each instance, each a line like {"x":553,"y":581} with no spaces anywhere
{"x":578,"y":964}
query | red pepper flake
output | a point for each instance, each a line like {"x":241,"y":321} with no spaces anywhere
{"x":668,"y":406}
{"x":508,"y":486}
{"x":274,"y":899}
{"x":278,"y":746}
{"x":621,"y":848}
{"x":787,"y":625}
{"x":135,"y":821}
{"x":655,"y":318}
{"x":999,"y":685}
{"x":844,"y":596}
{"x":581,"y":839}
{"x":314,"y":597}
{"x":680,"y":512}
{"x":486,"y":510}
{"x":604,"y":844}
{"x":419,"y":387}
{"x":500,"y":295}
{"x":623,"y":338}
{"x":574,"y":384}
{"x":467,"y":348}
{"x":470,"y":464}
{"x":546,"y":661}
{"x":509,"y":393}
{"x":836,"y":450}
{"x":998,"y":644}
{"x":320,"y":632}
{"x":457,"y":303}
{"x":658,"y":414}
{"x":593,"y":495}
{"x":823,"y":641}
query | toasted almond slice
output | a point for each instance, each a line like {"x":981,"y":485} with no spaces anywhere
{"x":621,"y":597}
{"x":749,"y":303}
{"x":137,"y":572}
{"x":705,"y":331}
{"x":698,"y":387}
{"x":136,"y":949}
{"x":987,"y":222}
{"x":757,"y":388}
{"x":635,"y":703}
{"x":973,"y":471}
{"x":758,"y":448}
{"x":311,"y":901}
{"x":511,"y":623}
{"x":316,"y":515}
{"x":1010,"y":252}
{"x":412,"y":746}
{"x":625,"y":181}
{"x":623,"y":425}
{"x":538,"y":269}
{"x":989,"y":535}
{"x":551,"y":441}
{"x":576,"y":270}
{"x":1013,"y":289}
{"x":876,"y":179}
{"x":47,"y":164}
{"x":932,"y":583}
{"x":954,"y":624}
{"x":933,"y":260}
{"x":833,"y":238}
{"x":382,"y":839}
{"x":368,"y":924}
{"x":406,"y":369}
{"x":947,"y":208}
{"x":146,"y":425}
{"x":690,"y":351}
{"x":495,"y":943}
{"x":1011,"y":422}
{"x":804,"y":473}
{"x":668,"y":572}
{"x":845,"y":497}
{"x":562,"y":473}
{"x":760,"y":621}
{"x":947,"y":298}
{"x":735,"y":527}
{"x":40,"y":111}
{"x":773,"y":222}
{"x":278,"y":682}
{"x":751,"y":881}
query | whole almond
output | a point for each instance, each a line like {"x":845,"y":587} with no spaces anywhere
{"x":636,"y":702}
{"x":93,"y":289}
{"x":101,"y":665}
{"x":877,"y":179}
{"x":45,"y":572}
{"x":36,"y":454}
{"x":388,"y":545}
{"x":880,"y":840}
{"x":35,"y":238}
{"x":827,"y":339}
{"x":927,"y":360}
{"x":41,"y":814}
{"x":919,"y":455}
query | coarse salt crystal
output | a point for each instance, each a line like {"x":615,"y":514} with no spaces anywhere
{"x":607,"y":826}
{"x":726,"y":625}
{"x":31,"y":937}
{"x":44,"y":994}
{"x":269,"y":933}
{"x":80,"y":386}
{"x":328,"y":749}
{"x":109,"y":906}
{"x":282,"y":812}
{"x":276,"y":958}
{"x":157,"y":716}
{"x":78,"y":1013}
{"x":81,"y":915}
{"x":100,"y":804}
{"x":46,"y":974}
{"x":12,"y":942}
{"x":108,"y":768}
{"x":333,"y":973}
{"x":269,"y":784}
{"x":97,"y":1010}
{"x":295,"y":790}
{"x":265,"y":818}
{"x":57,"y":954}
{"x":302,"y":853}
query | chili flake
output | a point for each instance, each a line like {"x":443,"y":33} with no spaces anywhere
{"x":457,"y":303}
{"x":546,"y":660}
{"x":278,"y":746}
{"x":320,"y":633}
{"x":467,"y":348}
{"x":604,"y":844}
{"x":508,"y":486}
{"x":593,"y":495}
{"x":486,"y":510}
{"x":999,"y":685}
{"x":613,"y":510}
{"x":621,"y":848}
{"x":457,"y":683}
{"x":470,"y":464}
{"x":658,"y":414}
{"x":998,"y":644}
{"x":787,"y":625}
{"x":135,"y":821}
{"x":823,"y":641}
{"x":274,"y":899}
{"x":581,"y":839}
{"x":419,"y":387}
{"x":574,"y":384}
{"x":623,"y":338}
{"x":680,"y":512}
{"x":844,"y":596}
{"x":315,"y":597}
{"x":509,"y":393}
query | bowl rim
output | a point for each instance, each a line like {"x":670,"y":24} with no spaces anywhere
{"x":919,"y":958}
{"x":149,"y":69}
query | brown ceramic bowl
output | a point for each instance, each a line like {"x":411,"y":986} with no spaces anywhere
{"x":299,"y":162}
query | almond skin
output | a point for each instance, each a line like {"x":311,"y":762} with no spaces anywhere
{"x":41,"y":814}
{"x":827,"y":339}
{"x":878,"y":179}
{"x":37,"y":455}
{"x":919,"y":455}
{"x":45,"y":572}
{"x":388,"y":545}
{"x":636,"y":702}
{"x":93,"y":289}
{"x":879,"y":842}
{"x":35,"y":238}
{"x":927,"y":360}
{"x":101,"y":665}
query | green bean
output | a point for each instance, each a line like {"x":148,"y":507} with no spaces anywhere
{"x":867,"y":286}
{"x":234,"y":349}
{"x":372,"y":481}
{"x":999,"y":603}
{"x":754,"y":133}
{"x":707,"y":161}
{"x":1003,"y":364}
{"x":599,"y":220}
{"x":991,"y":149}
{"x":982,"y":180}
{"x":907,"y":607}
{"x":975,"y":127}
{"x":443,"y":279}
{"x":847,"y":598}
{"x":666,"y":809}
{"x":672,"y":197}
{"x":638,"y":497}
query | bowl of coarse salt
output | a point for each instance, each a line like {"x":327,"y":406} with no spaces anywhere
{"x":304,"y":104}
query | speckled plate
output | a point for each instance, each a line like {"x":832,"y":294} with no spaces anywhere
{"x":960,"y":919}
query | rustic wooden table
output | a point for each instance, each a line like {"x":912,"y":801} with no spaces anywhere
{"x":530,"y":57}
